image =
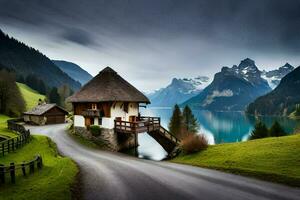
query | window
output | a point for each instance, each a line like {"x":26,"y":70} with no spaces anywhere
{"x":126,"y":107}
{"x":94,"y":106}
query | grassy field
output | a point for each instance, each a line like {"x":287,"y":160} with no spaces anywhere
{"x":52,"y":182}
{"x":31,"y":96}
{"x":272,"y":159}
{"x":4,"y":132}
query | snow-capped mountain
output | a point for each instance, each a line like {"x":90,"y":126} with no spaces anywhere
{"x":178,"y":91}
{"x":274,"y":76}
{"x":232,"y":88}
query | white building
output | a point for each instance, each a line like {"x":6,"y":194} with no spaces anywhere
{"x":106,"y":98}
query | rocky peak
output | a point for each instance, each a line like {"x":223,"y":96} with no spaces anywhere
{"x":246,"y":63}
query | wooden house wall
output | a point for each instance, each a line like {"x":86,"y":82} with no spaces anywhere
{"x":80,"y":107}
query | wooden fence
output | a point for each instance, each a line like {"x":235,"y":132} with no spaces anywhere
{"x":12,"y":144}
{"x":24,"y":168}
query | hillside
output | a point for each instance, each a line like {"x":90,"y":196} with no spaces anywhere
{"x":274,"y":76}
{"x":282,"y":100}
{"x":178,"y":91}
{"x":232,"y":89}
{"x":30,"y":96}
{"x":25,"y":60}
{"x":74,"y":71}
{"x":253,"y":158}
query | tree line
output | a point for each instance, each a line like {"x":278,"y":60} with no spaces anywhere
{"x":12,"y":102}
{"x":185,"y":127}
{"x":262,"y":131}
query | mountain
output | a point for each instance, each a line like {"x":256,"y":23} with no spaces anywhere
{"x":232,"y":89}
{"x":274,"y":77}
{"x":282,"y":100}
{"x":178,"y":91}
{"x":74,"y":71}
{"x":25,"y":60}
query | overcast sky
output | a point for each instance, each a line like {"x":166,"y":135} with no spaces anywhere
{"x":151,"y":41}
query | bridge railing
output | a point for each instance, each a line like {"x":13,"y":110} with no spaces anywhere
{"x":143,"y":124}
{"x":169,"y":135}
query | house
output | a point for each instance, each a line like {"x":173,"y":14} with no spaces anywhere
{"x":45,"y":114}
{"x":112,"y":103}
{"x":106,"y":98}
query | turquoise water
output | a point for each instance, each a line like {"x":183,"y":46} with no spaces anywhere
{"x":218,"y":127}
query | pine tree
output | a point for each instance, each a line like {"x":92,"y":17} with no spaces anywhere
{"x":189,"y":121}
{"x":42,"y":87}
{"x":297,"y":112}
{"x":260,"y":131}
{"x":175,"y":124}
{"x":276,"y":130}
{"x":11,"y":99}
{"x":54,"y":96}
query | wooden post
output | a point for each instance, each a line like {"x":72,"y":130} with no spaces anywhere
{"x":12,"y":173}
{"x":13,"y":144}
{"x":23,"y":169}
{"x":2,"y":173}
{"x":39,"y":164}
{"x":135,"y":144}
{"x":8,"y":146}
{"x":3,"y":151}
{"x":31,"y":167}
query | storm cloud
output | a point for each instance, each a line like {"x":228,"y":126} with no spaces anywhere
{"x":140,"y":38}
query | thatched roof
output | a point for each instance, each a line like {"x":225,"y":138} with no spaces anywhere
{"x":42,"y":109}
{"x":108,"y":86}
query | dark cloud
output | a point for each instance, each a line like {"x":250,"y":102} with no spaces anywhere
{"x":148,"y":35}
{"x":78,"y":36}
{"x":259,"y":23}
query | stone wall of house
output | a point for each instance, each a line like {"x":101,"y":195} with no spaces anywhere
{"x":113,"y":141}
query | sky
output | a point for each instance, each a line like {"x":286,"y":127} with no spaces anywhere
{"x":149,"y":42}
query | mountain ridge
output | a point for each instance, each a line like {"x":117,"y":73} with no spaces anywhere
{"x":232,"y":89}
{"x":280,"y":101}
{"x":74,"y":71}
{"x":178,"y":91}
{"x":25,"y":60}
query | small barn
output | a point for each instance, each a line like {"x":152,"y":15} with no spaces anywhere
{"x":45,"y":114}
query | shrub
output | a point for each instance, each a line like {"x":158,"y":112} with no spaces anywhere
{"x":95,"y":130}
{"x":260,"y":131}
{"x":276,"y":130}
{"x":194,"y":143}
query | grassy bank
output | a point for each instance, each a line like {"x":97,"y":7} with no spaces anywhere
{"x":30,"y":96}
{"x":272,"y":159}
{"x":54,"y":181}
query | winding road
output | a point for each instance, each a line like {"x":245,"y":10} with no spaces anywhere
{"x":107,"y":175}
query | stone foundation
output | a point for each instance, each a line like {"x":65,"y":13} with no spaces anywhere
{"x":112,"y":140}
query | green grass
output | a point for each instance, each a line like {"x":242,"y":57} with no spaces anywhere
{"x":4,"y":132}
{"x":55,"y":179}
{"x":272,"y":159}
{"x":30,"y":96}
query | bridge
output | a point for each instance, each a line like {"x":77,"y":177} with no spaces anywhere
{"x":152,"y":126}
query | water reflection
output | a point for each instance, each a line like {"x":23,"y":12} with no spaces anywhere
{"x":219,"y":127}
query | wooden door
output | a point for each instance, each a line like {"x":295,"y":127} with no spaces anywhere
{"x":87,"y":121}
{"x":132,"y":118}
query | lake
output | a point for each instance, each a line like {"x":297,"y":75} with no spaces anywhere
{"x":218,"y":127}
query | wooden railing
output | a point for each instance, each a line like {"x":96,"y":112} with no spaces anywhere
{"x":169,"y":135}
{"x":23,"y":168}
{"x":12,"y":144}
{"x":144,"y":124}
